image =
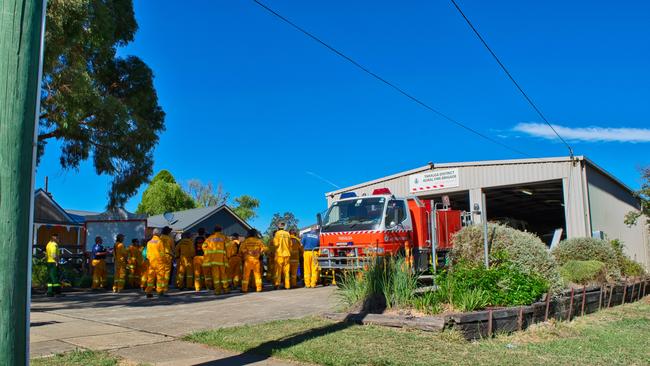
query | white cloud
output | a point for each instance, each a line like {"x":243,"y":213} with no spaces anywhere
{"x":586,"y":134}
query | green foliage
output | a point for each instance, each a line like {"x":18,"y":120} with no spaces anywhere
{"x":164,"y":195}
{"x":584,"y":272}
{"x":288,"y":218}
{"x":643,"y":195}
{"x":584,"y":249}
{"x":503,"y":284}
{"x":246,"y":206}
{"x":95,"y":103}
{"x":525,"y":250}
{"x":84,"y":281}
{"x":39,"y":272}
{"x":472,"y":299}
{"x":628,"y":266}
{"x":428,"y":303}
{"x":387,"y":282}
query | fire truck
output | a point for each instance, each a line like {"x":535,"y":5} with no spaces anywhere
{"x":356,"y":229}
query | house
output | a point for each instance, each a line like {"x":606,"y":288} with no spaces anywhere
{"x":50,"y":218}
{"x":203,"y":217}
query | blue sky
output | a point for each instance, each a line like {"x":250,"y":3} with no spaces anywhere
{"x":254,"y":105}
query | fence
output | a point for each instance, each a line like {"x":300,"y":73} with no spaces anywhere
{"x":566,"y":306}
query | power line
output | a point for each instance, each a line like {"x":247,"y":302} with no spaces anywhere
{"x":395,"y":87}
{"x":503,"y":67}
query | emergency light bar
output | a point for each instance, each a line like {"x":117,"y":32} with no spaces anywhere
{"x":348,"y":195}
{"x":380,"y":191}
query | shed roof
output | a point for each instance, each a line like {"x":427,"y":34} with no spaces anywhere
{"x":430,"y":166}
{"x":188,"y":218}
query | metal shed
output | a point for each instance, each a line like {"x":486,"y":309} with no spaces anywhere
{"x":537,"y":195}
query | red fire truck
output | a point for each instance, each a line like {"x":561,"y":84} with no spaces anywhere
{"x":355,"y":229}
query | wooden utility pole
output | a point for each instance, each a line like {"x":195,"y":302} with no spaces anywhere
{"x":21,"y":25}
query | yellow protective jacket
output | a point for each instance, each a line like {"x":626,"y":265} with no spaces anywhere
{"x":282,"y":244}
{"x":214,"y":250}
{"x":252,"y":248}
{"x":120,"y":255}
{"x":52,"y":252}
{"x":296,"y":248}
{"x":233,"y":248}
{"x":185,"y":249}
{"x":135,"y":255}
{"x":168,"y":246}
{"x":155,"y":249}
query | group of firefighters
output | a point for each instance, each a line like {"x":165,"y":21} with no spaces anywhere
{"x":214,"y":262}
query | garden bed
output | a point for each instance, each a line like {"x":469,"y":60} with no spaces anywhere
{"x":487,"y":323}
{"x":570,"y":303}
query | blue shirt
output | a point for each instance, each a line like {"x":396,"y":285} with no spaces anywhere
{"x":310,"y":240}
{"x":99,"y":252}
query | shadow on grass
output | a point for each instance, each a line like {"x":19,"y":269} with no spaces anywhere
{"x":265,"y":350}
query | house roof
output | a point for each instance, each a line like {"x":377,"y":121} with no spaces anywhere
{"x":185,"y":219}
{"x":80,"y":215}
{"x":47,"y":211}
{"x":115,"y":214}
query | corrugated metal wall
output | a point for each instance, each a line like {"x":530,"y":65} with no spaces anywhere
{"x":474,"y":178}
{"x":608,"y":205}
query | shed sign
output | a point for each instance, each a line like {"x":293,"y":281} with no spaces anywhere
{"x":433,"y":180}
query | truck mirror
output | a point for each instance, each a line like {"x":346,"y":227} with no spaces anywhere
{"x":319,"y":219}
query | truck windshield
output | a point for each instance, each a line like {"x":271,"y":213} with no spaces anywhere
{"x":355,"y":214}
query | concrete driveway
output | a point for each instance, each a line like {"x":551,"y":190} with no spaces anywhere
{"x":149,"y":330}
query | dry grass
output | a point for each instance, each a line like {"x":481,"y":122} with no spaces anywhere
{"x":616,"y":336}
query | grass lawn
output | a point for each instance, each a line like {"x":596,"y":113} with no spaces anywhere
{"x":77,"y":358}
{"x":617,"y":336}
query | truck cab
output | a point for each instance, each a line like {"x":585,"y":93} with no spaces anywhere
{"x":355,"y":229}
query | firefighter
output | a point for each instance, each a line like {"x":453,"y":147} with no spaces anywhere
{"x":52,"y":263}
{"x":296,"y":255}
{"x":168,"y":247}
{"x":99,"y":263}
{"x":282,"y":246}
{"x":157,"y":276}
{"x":184,"y":253}
{"x":120,"y":258}
{"x":202,"y":275}
{"x":234,"y":260}
{"x":311,"y":270}
{"x":214,"y":257}
{"x":251,"y":250}
{"x":134,"y":263}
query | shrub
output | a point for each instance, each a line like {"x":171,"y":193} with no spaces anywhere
{"x":627,"y":266}
{"x":525,"y":250}
{"x":85,"y":281}
{"x":39,"y":272}
{"x":472,"y":299}
{"x":387,"y":282}
{"x":584,"y":272}
{"x":586,"y":249}
{"x":428,"y":303}
{"x":503,"y":284}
